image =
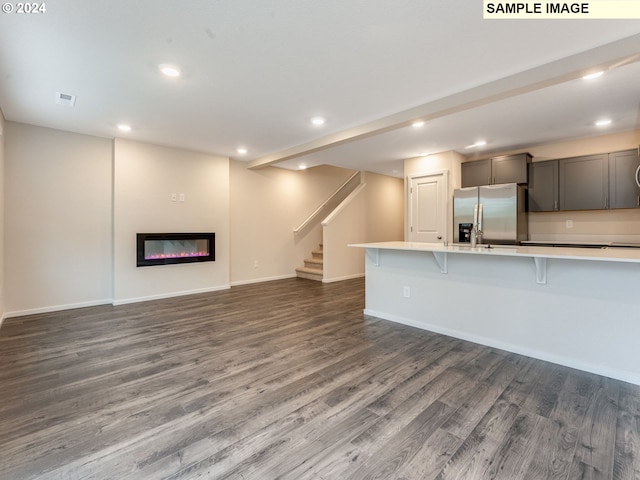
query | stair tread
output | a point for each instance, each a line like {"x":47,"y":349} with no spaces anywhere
{"x":313,"y":267}
{"x":309,"y":270}
{"x":318,"y":261}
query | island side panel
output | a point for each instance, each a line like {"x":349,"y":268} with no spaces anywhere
{"x":587,"y":316}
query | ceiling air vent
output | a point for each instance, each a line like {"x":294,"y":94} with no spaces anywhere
{"x":65,"y":99}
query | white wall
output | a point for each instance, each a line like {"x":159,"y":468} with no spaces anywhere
{"x":2,"y":229}
{"x":585,"y":317}
{"x":145,"y":176}
{"x":57,"y":219}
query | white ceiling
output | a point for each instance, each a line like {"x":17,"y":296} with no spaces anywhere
{"x":255,"y":72}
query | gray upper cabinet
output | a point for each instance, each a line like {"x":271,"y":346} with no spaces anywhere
{"x":505,"y":169}
{"x":510,"y":168}
{"x":623,"y":189}
{"x":584,"y":182}
{"x":543,"y":186}
{"x":476,"y":173}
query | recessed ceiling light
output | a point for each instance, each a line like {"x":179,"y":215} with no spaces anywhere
{"x":318,"y":121}
{"x":479,"y":143}
{"x":302,"y":167}
{"x":417,"y":124}
{"x":241,"y":150}
{"x":603,"y":123}
{"x":124,"y":128}
{"x":423,"y":154}
{"x":593,"y":75}
{"x":169,"y":70}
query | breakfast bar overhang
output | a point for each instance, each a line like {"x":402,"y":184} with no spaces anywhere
{"x":572,"y":306}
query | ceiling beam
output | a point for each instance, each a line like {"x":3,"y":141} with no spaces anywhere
{"x":605,"y":57}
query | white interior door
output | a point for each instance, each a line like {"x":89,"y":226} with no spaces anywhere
{"x":428,"y":217}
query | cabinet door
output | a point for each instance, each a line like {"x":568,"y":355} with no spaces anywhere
{"x":476,"y":173}
{"x":623,"y":189}
{"x":543,"y":186}
{"x":584,"y":182}
{"x":510,"y":168}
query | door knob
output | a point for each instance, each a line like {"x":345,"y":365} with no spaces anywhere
{"x":439,"y":237}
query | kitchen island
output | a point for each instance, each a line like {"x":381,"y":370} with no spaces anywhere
{"x":578,"y":307}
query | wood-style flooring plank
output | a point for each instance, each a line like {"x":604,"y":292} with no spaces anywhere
{"x":290,"y":380}
{"x":627,"y":451}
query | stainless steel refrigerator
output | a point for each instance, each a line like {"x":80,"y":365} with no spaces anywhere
{"x":495,"y":214}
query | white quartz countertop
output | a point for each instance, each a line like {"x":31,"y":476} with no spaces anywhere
{"x":609,"y":254}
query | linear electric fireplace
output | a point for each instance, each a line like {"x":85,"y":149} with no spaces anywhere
{"x":169,"y":248}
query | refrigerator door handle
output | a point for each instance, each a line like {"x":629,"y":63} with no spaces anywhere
{"x":475,"y":216}
{"x":479,"y":223}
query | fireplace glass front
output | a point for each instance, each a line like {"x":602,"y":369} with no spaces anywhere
{"x":170,"y":248}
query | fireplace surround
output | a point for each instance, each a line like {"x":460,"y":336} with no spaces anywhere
{"x":171,"y":248}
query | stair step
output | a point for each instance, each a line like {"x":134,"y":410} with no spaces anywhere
{"x":313,"y":267}
{"x":309,"y":273}
{"x":313,"y":263}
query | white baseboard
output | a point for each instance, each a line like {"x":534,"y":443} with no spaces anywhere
{"x":264,"y":279}
{"x":55,"y":308}
{"x":629,"y":377}
{"x":340,"y":279}
{"x":170,"y":295}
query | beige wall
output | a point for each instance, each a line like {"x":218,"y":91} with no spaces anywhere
{"x":596,"y":226}
{"x":2,"y":190}
{"x":75,"y":202}
{"x":346,"y":225}
{"x":266,"y":205}
{"x":385,"y":208}
{"x":582,"y":146}
{"x":438,"y":162}
{"x":145,"y":177}
{"x":586,"y":226}
{"x":373,"y":213}
{"x":57,"y":219}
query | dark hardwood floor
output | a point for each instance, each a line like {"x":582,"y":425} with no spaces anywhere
{"x":289,"y":380}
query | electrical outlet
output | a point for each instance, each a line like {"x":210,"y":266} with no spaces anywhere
{"x":256,"y":264}
{"x":406,"y":292}
{"x":569,"y":223}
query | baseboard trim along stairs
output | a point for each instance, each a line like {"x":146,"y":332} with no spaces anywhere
{"x":313,"y":267}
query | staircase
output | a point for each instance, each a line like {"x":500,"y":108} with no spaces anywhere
{"x":312,"y":269}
